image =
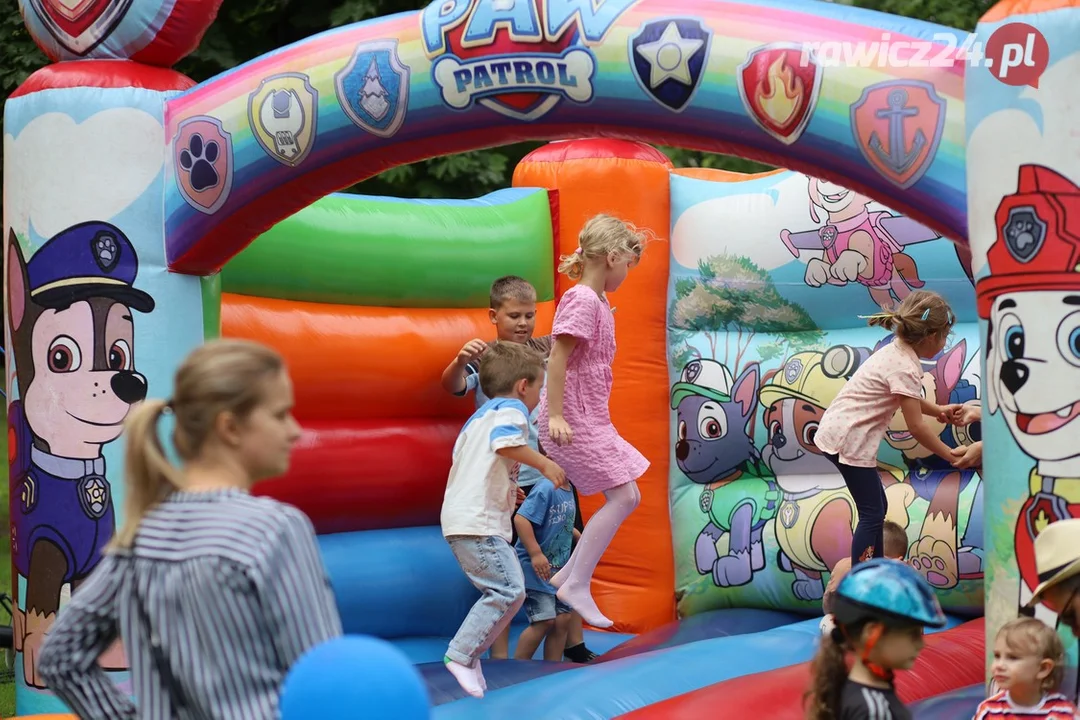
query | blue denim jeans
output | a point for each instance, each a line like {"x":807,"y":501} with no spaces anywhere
{"x":493,"y":568}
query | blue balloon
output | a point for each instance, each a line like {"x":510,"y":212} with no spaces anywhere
{"x":354,"y":674}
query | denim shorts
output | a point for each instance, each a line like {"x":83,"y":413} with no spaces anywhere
{"x":541,"y":606}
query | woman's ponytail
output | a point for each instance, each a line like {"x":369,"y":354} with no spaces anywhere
{"x":149,"y":476}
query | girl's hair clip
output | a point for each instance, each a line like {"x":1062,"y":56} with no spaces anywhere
{"x":926,"y":314}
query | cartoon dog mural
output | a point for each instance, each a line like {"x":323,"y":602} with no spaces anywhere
{"x":817,"y":515}
{"x":859,"y":245}
{"x":936,"y":555}
{"x":72,"y":341}
{"x":713,"y":450}
{"x":1032,"y":302}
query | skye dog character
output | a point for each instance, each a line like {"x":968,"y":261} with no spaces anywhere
{"x":714,"y":451}
{"x":859,"y":245}
{"x":69,"y":311}
{"x":817,"y":515}
{"x":1032,"y":300}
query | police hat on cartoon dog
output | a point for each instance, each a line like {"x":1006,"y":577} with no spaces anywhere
{"x":88,"y":260}
{"x":707,"y":378}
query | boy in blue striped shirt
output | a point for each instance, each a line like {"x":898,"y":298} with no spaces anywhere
{"x":479,"y":502}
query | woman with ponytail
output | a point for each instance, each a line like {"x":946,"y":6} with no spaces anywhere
{"x":880,"y":610}
{"x":214,"y":592}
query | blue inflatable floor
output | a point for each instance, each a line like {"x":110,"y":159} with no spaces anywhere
{"x":600,"y":691}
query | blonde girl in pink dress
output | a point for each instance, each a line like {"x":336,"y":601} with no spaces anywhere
{"x":574,"y":407}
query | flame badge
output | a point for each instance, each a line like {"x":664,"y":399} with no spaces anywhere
{"x":779,"y":85}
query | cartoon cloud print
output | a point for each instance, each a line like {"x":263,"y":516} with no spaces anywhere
{"x":713,"y":450}
{"x":1032,"y":374}
{"x":72,"y":339}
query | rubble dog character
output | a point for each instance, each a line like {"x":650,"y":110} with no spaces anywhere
{"x":937,"y":555}
{"x":859,"y":245}
{"x":72,"y":338}
{"x":1032,"y":373}
{"x":739,"y":494}
{"x":817,"y":515}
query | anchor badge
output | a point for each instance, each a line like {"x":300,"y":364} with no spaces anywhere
{"x":911,"y":115}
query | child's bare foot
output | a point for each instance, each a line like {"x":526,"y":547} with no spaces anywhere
{"x":579,"y":598}
{"x":468,"y":678}
{"x":480,"y":673}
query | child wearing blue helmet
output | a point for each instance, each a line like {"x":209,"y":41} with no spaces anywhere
{"x":880,"y":609}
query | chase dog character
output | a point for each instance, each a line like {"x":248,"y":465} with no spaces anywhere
{"x":817,"y":515}
{"x":1032,"y":302}
{"x":937,"y":555}
{"x":859,"y":245}
{"x":713,"y":450}
{"x":73,"y":341}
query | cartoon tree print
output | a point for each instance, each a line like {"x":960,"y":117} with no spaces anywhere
{"x":734,"y":296}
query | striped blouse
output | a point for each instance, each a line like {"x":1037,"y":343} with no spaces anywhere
{"x":234,"y":589}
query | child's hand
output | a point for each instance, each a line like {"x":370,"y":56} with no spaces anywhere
{"x":555,"y":474}
{"x":948,"y":413}
{"x":542,"y":566}
{"x":967,"y":456}
{"x":470,"y":351}
{"x":560,"y":431}
{"x":967,"y":414}
{"x":520,"y":497}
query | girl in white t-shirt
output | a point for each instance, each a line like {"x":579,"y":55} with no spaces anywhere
{"x":854,"y":425}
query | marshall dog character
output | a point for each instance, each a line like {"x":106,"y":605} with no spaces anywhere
{"x":937,"y":555}
{"x":817,"y":515}
{"x":70,"y":314}
{"x":859,"y":245}
{"x":1032,"y":302}
{"x":739,"y":493}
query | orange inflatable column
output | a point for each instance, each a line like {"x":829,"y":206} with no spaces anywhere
{"x":634,"y":583}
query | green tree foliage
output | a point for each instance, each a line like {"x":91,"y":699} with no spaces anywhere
{"x":732,"y":300}
{"x":246,"y":29}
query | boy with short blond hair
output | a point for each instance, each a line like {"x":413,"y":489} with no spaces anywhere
{"x":512,"y":311}
{"x":479,"y":502}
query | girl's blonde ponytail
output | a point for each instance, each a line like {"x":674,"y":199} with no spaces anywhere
{"x":149,"y":476}
{"x":572,"y":265}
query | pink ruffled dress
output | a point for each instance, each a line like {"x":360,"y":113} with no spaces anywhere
{"x":598,"y":459}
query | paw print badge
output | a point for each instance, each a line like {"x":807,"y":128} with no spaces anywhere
{"x":203,"y":163}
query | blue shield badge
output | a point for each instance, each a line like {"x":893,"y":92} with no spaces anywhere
{"x":373,"y":89}
{"x":668,"y":57}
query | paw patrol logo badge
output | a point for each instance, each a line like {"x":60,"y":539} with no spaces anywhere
{"x":779,"y":89}
{"x":519,"y":58}
{"x":202,"y":163}
{"x":373,"y":89}
{"x":691,"y":371}
{"x":789,"y":513}
{"x":668,"y":59}
{"x":793,"y":370}
{"x":94,"y":496}
{"x":283,"y":114}
{"x":80,"y":25}
{"x":1024,"y":233}
{"x":897,"y":125}
{"x":105,"y":251}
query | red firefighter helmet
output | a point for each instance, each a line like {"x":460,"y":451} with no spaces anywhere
{"x":1038,"y":238}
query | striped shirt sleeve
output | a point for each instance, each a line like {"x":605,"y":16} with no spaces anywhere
{"x":511,"y":429}
{"x":299,"y":600}
{"x":83,"y":630}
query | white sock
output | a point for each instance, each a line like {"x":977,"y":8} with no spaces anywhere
{"x":468,"y":678}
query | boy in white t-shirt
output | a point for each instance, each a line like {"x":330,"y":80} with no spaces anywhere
{"x":479,"y":502}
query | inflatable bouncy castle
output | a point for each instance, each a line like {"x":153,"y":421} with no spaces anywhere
{"x":144,"y":214}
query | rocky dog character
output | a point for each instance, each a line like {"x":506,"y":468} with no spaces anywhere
{"x":859,"y":245}
{"x":72,"y":339}
{"x":936,"y":555}
{"x":817,"y":515}
{"x":1032,"y":375}
{"x":713,"y":450}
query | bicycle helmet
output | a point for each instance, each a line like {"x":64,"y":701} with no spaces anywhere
{"x":888,"y":591}
{"x":885,"y":591}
